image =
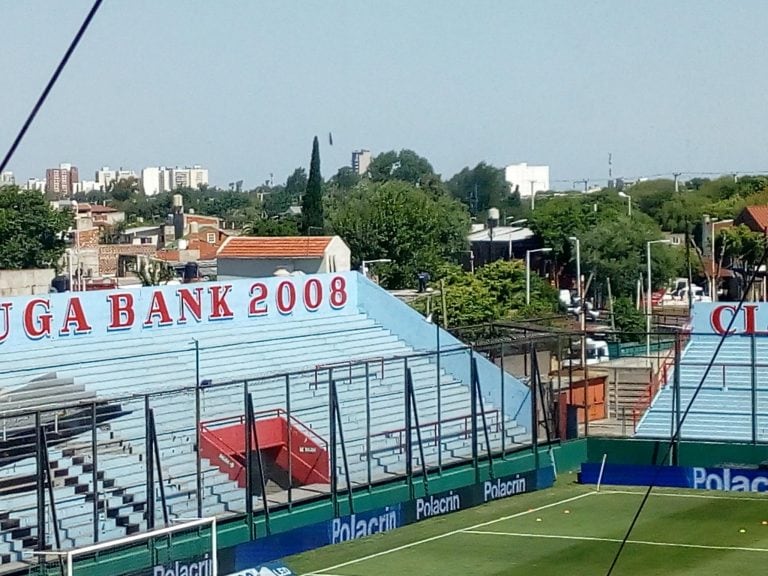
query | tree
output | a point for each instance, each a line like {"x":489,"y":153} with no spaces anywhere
{"x":154,"y":272}
{"x":397,"y":220}
{"x":312,"y":203}
{"x":296,"y":184}
{"x":480,"y":188}
{"x":405,"y":165}
{"x":271,"y":227}
{"x":628,"y":320}
{"x":31,"y":231}
{"x":495,"y":292}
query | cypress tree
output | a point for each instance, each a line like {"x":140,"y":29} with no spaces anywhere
{"x":312,"y":203}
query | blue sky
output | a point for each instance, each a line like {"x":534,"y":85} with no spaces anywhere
{"x":242,"y":86}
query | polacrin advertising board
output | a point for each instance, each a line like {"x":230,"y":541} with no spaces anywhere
{"x":257,"y":553}
{"x":724,"y":479}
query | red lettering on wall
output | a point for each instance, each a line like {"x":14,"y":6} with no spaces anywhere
{"x":37,"y":325}
{"x":257,"y":306}
{"x":121,"y":314}
{"x":313,"y":294}
{"x":750,"y":320}
{"x":158,"y":309}
{"x":75,"y":315}
{"x":716,"y":319}
{"x":189,"y":302}
{"x":220,"y":310}
{"x":286,"y":297}
{"x":5,"y":315}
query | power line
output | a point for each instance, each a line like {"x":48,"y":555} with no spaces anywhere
{"x":51,"y":82}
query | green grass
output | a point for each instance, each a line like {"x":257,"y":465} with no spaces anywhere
{"x":568,"y":530}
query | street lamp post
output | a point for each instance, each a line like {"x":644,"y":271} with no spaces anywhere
{"x":512,"y":224}
{"x":629,"y":202}
{"x":648,"y":307}
{"x":580,"y":291}
{"x":528,"y":271}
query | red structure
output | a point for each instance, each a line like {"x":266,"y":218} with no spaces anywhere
{"x":290,"y":444}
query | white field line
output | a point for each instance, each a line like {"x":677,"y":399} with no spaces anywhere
{"x":682,"y":495}
{"x":615,"y":540}
{"x":325,"y":571}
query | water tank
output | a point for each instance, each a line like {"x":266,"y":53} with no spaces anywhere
{"x":194,"y":227}
{"x":493,"y":214}
{"x":60,"y":283}
{"x":190,"y":271}
{"x":183,"y":244}
{"x":178,"y":201}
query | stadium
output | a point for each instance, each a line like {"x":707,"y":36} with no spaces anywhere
{"x":222,"y":427}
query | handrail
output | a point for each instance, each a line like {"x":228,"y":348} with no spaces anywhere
{"x":400,"y":432}
{"x":349,"y":364}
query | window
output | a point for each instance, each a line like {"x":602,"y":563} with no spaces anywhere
{"x":211,"y":238}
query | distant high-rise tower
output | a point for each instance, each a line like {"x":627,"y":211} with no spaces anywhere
{"x":361,"y":159}
{"x":60,"y":182}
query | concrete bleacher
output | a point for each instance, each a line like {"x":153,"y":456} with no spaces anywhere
{"x":356,"y":347}
{"x":723,"y":408}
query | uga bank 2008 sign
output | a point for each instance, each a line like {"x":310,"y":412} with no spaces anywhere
{"x":726,"y":317}
{"x":76,"y":314}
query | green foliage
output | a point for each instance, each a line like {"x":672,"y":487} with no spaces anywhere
{"x":405,"y":165}
{"x":740,"y":246}
{"x":629,"y":321}
{"x":613,"y":244}
{"x":154,"y":273}
{"x":495,"y":292}
{"x":277,"y":201}
{"x":406,"y":224}
{"x":312,"y":202}
{"x":272,"y":227}
{"x":296,"y":184}
{"x":489,"y":183}
{"x":31,"y":231}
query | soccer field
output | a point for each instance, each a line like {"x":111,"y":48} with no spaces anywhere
{"x":570,"y":529}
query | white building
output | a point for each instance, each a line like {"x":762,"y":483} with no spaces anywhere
{"x":160,"y":179}
{"x":85,"y":186}
{"x":527,"y":179}
{"x":35,"y":184}
{"x":7,"y":179}
{"x":150,"y":180}
{"x":105,"y":177}
{"x":361,"y":159}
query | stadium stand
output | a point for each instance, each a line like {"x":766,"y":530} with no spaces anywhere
{"x":723,"y":408}
{"x":284,"y":359}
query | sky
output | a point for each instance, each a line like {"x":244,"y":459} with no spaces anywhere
{"x":241,"y":87}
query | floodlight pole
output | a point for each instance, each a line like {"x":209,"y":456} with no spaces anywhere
{"x":648,"y":307}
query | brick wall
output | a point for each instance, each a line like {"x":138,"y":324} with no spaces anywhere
{"x":108,"y":254}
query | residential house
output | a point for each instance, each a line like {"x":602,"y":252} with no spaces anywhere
{"x":256,"y":256}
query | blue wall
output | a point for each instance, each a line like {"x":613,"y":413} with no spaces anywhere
{"x":401,"y":319}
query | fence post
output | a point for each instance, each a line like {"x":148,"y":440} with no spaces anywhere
{"x":95,"y":473}
{"x":148,"y":453}
{"x":753,"y":377}
{"x":473,"y":410}
{"x":408,"y":440}
{"x":368,"y":422}
{"x":503,"y":404}
{"x":439,"y":405}
{"x":289,"y":423}
{"x":198,"y":418}
{"x":40,"y":483}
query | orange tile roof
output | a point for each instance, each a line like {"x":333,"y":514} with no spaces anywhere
{"x":274,"y":247}
{"x":759,"y":214}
